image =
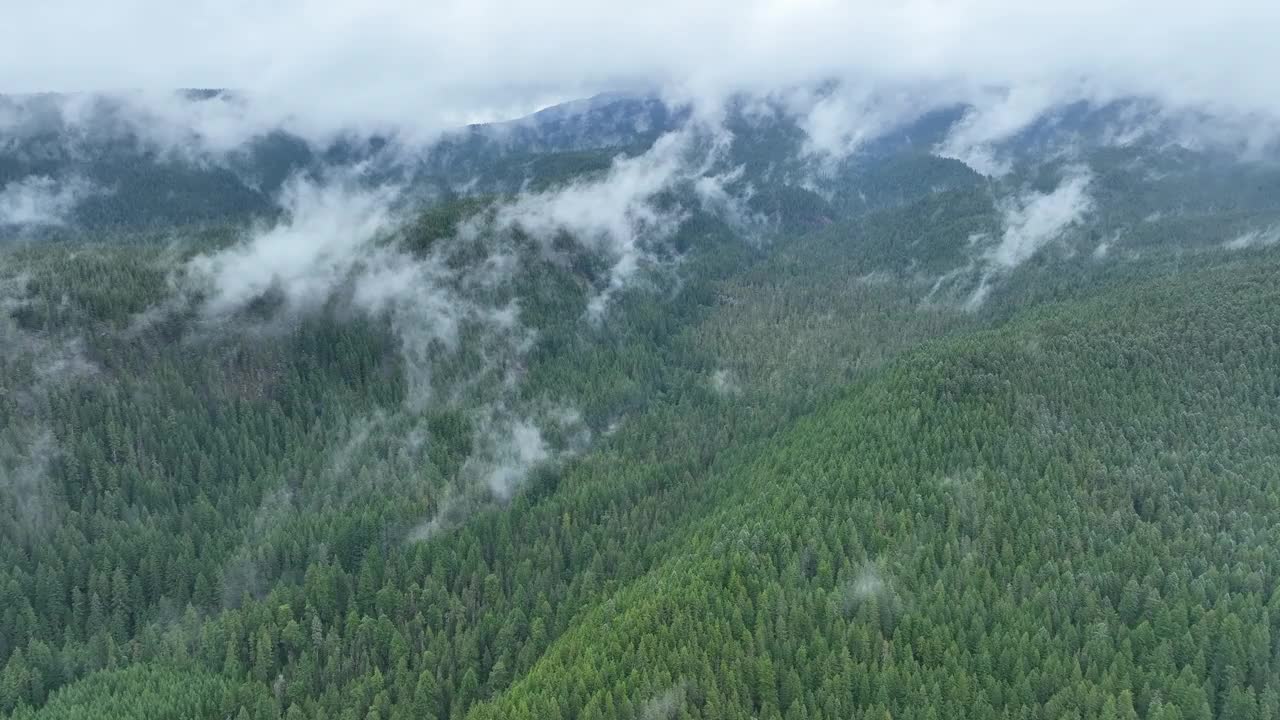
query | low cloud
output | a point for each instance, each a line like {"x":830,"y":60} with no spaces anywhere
{"x":39,"y":200}
{"x":839,"y":120}
{"x":717,"y":196}
{"x":346,"y":63}
{"x":1031,"y":220}
{"x":323,"y":69}
{"x":196,"y":127}
{"x":867,"y":583}
{"x":1034,"y":219}
{"x":448,"y":515}
{"x":27,"y":443}
{"x":1254,"y":238}
{"x":515,"y":447}
{"x":508,"y":448}
{"x":336,"y":240}
{"x":665,"y":705}
{"x":620,"y":214}
{"x":338,"y":244}
{"x":870,"y":583}
{"x":1103,"y":249}
{"x":995,"y":117}
{"x":327,"y":230}
{"x":25,"y":454}
{"x":725,"y":382}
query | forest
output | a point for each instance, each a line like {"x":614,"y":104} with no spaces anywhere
{"x":882,"y":449}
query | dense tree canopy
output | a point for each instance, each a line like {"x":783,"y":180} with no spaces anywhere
{"x":796,"y":477}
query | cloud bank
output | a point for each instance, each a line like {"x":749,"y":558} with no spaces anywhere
{"x":321,"y":68}
{"x":39,"y":200}
{"x":1033,"y":219}
{"x":620,"y":214}
{"x":1254,"y":238}
{"x":324,"y":65}
{"x":326,"y":229}
{"x":338,"y":246}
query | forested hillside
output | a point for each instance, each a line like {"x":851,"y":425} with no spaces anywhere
{"x":1066,"y":518}
{"x":651,"y":420}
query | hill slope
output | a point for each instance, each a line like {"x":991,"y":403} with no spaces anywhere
{"x":1073,"y":515}
{"x":667,"y":433}
{"x":1069,"y":514}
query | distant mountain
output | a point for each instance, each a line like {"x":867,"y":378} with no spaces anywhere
{"x":145,"y":170}
{"x":126,"y":161}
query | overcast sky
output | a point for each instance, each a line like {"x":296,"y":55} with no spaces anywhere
{"x":443,"y":62}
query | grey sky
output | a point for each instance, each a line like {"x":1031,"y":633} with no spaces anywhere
{"x":435,"y":64}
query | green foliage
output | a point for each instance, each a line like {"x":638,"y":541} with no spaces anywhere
{"x":816,"y":486}
{"x":152,"y":693}
{"x":1064,"y":515}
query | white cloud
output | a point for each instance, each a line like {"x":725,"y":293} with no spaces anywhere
{"x":29,"y":445}
{"x":995,"y":117}
{"x":618,"y":214}
{"x":517,"y":447}
{"x":393,"y":63}
{"x":336,"y":236}
{"x":338,"y":240}
{"x":39,"y":200}
{"x":979,"y":295}
{"x":665,"y":705}
{"x":840,"y":119}
{"x":325,"y":232}
{"x":1034,"y":219}
{"x":724,"y":382}
{"x":1254,"y":238}
{"x":1031,"y":221}
{"x":717,"y":197}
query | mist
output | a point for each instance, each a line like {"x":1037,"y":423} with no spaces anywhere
{"x":1254,"y":238}
{"x":39,"y":200}
{"x":325,"y":233}
{"x":409,"y":74}
{"x":338,"y":245}
{"x":347,"y":63}
{"x":28,"y":444}
{"x":725,"y":382}
{"x":1033,"y":219}
{"x":842,"y":115}
{"x":321,"y":69}
{"x":619,"y":214}
{"x":513,"y":449}
{"x":664,"y":705}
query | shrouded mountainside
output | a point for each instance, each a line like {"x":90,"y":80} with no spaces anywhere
{"x":126,"y":161}
{"x":635,"y":416}
{"x":129,"y":160}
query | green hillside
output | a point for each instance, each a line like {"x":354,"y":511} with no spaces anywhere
{"x":1073,"y":516}
{"x":795,"y":471}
